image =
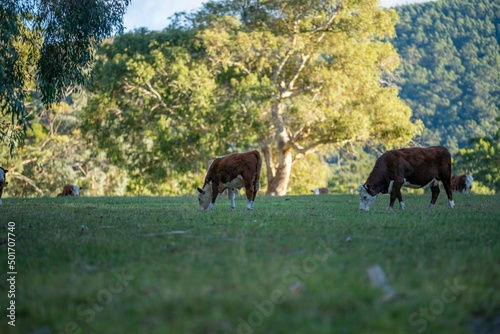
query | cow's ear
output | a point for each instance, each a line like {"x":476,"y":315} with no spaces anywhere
{"x":200,"y":191}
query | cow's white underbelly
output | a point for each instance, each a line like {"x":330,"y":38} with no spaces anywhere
{"x":411,"y":185}
{"x":407,"y":184}
{"x":235,"y":183}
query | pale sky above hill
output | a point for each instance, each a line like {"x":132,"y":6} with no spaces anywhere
{"x":153,"y":14}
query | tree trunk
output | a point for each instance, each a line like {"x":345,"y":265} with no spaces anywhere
{"x":278,"y":173}
{"x":278,"y":183}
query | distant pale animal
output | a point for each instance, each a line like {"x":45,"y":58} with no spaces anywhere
{"x":462,"y":183}
{"x":70,"y":190}
{"x":414,"y":167}
{"x":320,"y":191}
{"x":234,"y":171}
{"x":3,"y":181}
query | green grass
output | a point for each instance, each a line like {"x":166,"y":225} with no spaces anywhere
{"x":296,"y":264}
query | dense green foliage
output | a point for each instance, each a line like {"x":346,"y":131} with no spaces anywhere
{"x":50,"y":44}
{"x":157,"y":265}
{"x":451,"y":68}
{"x":287,"y":77}
{"x":482,"y":159}
{"x":152,"y":108}
{"x":239,"y":75}
{"x":55,"y":154}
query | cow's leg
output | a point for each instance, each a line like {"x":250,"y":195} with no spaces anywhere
{"x":230,"y":195}
{"x":395,"y":193}
{"x":449,"y":193}
{"x":400,"y":200}
{"x":215,"y":194}
{"x":250,"y":192}
{"x":435,"y":193}
{"x":255,"y":188}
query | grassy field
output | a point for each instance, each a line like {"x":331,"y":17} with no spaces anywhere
{"x":296,"y":264}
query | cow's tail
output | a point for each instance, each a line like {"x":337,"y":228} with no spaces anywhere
{"x":257,"y":176}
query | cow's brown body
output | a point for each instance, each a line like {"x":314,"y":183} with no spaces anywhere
{"x":3,"y":181}
{"x":233,"y":171}
{"x":70,"y":190}
{"x":411,"y":167}
{"x":462,"y":183}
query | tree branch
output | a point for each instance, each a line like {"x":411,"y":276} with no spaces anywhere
{"x":26,"y":179}
{"x":324,"y":27}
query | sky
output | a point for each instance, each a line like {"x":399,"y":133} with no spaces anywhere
{"x":153,"y":14}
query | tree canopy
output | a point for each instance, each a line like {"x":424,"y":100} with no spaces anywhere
{"x":289,"y":77}
{"x":50,"y":44}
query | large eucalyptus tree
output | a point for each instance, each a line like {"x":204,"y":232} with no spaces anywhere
{"x":312,"y":73}
{"x":290,"y":77}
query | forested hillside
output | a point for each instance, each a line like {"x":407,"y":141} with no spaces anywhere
{"x":451,"y":68}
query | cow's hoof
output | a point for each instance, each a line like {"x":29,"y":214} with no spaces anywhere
{"x":431,"y":206}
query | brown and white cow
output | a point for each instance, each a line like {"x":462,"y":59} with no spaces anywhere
{"x":413,"y":167}
{"x":237,"y":170}
{"x":320,"y":191}
{"x":70,"y":190}
{"x":462,"y":183}
{"x":3,"y":181}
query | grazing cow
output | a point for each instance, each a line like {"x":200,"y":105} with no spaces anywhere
{"x":3,"y":181}
{"x":319,"y":191}
{"x":410,"y":167}
{"x":236,"y":170}
{"x":70,"y":190}
{"x":462,"y":183}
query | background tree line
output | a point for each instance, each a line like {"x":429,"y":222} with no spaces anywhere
{"x":306,"y":82}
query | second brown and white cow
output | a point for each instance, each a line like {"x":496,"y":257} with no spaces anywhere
{"x":462,"y":183}
{"x":70,"y":190}
{"x":234,"y":171}
{"x":320,"y":191}
{"x":3,"y":181}
{"x":413,"y":167}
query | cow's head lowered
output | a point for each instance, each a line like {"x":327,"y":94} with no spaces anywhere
{"x":366,"y":200}
{"x":205,"y":197}
{"x":76,"y":190}
{"x":2,"y":176}
{"x":3,"y":181}
{"x":468,"y":184}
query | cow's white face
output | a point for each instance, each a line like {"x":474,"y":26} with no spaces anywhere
{"x":205,"y":197}
{"x":468,"y":184}
{"x":76,"y":190}
{"x":365,"y":199}
{"x":2,"y":174}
